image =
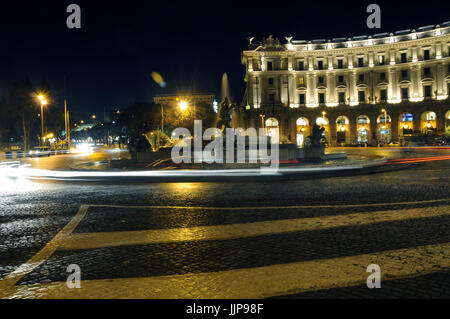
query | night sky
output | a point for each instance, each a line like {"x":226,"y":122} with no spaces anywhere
{"x":109,"y":60}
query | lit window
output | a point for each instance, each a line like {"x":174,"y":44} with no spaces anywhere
{"x":407,"y":117}
{"x":431,"y":116}
{"x":302,"y":122}
{"x":362,"y":119}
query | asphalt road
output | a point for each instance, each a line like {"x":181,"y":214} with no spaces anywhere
{"x":295,"y":239}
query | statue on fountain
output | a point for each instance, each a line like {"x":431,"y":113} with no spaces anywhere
{"x":317,"y":138}
{"x":225,"y":110}
{"x":314,"y":145}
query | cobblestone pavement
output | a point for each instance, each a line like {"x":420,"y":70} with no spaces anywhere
{"x":297,"y":239}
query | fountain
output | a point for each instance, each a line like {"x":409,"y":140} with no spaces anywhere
{"x":225,"y":106}
{"x":225,"y":88}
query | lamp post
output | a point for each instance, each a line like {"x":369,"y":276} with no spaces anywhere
{"x":385,"y":124}
{"x":262,"y":119}
{"x":43,"y":102}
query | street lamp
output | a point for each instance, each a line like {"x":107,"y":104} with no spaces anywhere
{"x":43,"y":102}
{"x":262,"y":119}
{"x":385,"y":124}
{"x":183,"y":105}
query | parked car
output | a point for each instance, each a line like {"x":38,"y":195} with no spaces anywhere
{"x":40,"y":151}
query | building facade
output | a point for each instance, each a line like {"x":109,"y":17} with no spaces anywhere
{"x":364,"y":89}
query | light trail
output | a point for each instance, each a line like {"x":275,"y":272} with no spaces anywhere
{"x":17,"y":169}
{"x":418,"y":159}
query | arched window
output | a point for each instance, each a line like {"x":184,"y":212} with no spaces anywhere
{"x":407,"y":117}
{"x":381,"y":119}
{"x":363,"y":119}
{"x":301,"y":121}
{"x":322,"y":121}
{"x":430,"y":116}
{"x":342,"y":120}
{"x":271,"y":122}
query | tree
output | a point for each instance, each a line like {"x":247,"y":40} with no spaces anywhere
{"x":4,"y":121}
{"x":175,"y":117}
{"x":22,"y":106}
{"x":141,"y":118}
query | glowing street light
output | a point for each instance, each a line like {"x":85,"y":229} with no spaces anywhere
{"x":43,"y":102}
{"x":183,"y":105}
{"x":385,"y":123}
{"x":262,"y":116}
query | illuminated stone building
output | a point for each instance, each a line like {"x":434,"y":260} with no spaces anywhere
{"x":349,"y":85}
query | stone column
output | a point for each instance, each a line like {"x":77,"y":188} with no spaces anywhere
{"x":333,"y":130}
{"x":331,"y":88}
{"x":415,"y":79}
{"x":353,"y":94}
{"x":293,"y":122}
{"x":352,"y":128}
{"x":394,"y":125}
{"x":311,"y":88}
{"x":438,"y":50}
{"x":439,"y":78}
{"x":440,"y":120}
{"x":416,"y":120}
{"x":392,"y":94}
{"x":373,"y":129}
